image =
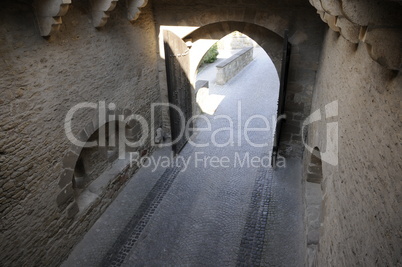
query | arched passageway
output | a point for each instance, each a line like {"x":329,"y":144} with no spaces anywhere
{"x":354,"y":63}
{"x":215,"y":205}
{"x":249,"y":99}
{"x":181,"y":62}
{"x":199,"y":34}
{"x":216,"y":210}
{"x":203,"y":37}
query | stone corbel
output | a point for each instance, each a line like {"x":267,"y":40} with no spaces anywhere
{"x":134,"y":8}
{"x":321,"y":13}
{"x":317,"y":5}
{"x":331,"y":20}
{"x":100,"y":11}
{"x":48,"y":14}
{"x":372,"y":12}
{"x":348,"y":30}
{"x":350,"y":18}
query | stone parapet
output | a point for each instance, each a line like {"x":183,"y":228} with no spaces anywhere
{"x":230,"y":67}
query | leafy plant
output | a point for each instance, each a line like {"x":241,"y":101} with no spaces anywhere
{"x":211,"y":54}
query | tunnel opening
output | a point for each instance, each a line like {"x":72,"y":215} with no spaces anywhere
{"x":242,"y":79}
{"x":193,"y":47}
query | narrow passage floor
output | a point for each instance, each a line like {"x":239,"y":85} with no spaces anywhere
{"x":215,"y":206}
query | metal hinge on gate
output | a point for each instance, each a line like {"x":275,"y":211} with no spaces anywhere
{"x":183,"y":54}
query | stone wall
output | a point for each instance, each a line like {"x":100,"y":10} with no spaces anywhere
{"x":362,"y":192}
{"x":41,"y":79}
{"x":230,"y":67}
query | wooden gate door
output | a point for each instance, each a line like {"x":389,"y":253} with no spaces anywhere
{"x":282,"y":96}
{"x":179,"y":87}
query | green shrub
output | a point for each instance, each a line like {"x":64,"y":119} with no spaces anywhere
{"x":211,"y":54}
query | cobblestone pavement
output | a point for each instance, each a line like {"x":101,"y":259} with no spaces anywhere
{"x":285,"y":241}
{"x":136,"y":225}
{"x":198,"y":213}
{"x":251,"y":246}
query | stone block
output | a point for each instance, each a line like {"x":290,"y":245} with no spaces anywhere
{"x":332,"y":7}
{"x":331,"y":20}
{"x":349,"y":30}
{"x":233,"y":65}
{"x":249,"y":15}
{"x":201,"y":84}
{"x":8,"y":185}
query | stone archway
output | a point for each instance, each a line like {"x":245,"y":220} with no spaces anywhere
{"x":259,"y":20}
{"x":83,"y":165}
{"x":199,"y":40}
{"x":272,"y":43}
{"x":203,"y":37}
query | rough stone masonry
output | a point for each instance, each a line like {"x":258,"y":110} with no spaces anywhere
{"x":233,"y":65}
{"x":349,"y":52}
{"x":41,"y":79}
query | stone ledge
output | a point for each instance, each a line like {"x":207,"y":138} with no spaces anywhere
{"x":234,"y":57}
{"x":230,"y":67}
{"x":201,"y":84}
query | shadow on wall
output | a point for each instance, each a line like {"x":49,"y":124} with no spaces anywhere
{"x":93,"y":172}
{"x":94,"y":160}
